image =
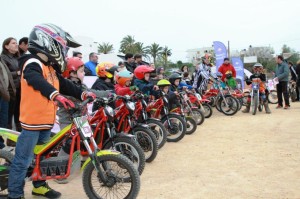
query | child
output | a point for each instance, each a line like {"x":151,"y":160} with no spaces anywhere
{"x":105,"y":80}
{"x":258,"y":73}
{"x":164,"y":86}
{"x":177,"y":84}
{"x":230,"y":80}
{"x":186,"y":78}
{"x":142,"y":81}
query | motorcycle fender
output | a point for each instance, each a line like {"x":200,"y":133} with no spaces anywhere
{"x":205,"y":100}
{"x":170,"y":114}
{"x":142,"y":125}
{"x":118,"y":135}
{"x":100,"y":153}
{"x":153,"y":119}
{"x":10,"y":134}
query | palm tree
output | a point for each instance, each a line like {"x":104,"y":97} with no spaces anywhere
{"x":166,"y":52}
{"x":105,"y":48}
{"x":154,"y":50}
{"x":127,"y":45}
{"x":141,"y":49}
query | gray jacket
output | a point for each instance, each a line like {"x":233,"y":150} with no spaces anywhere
{"x":282,"y":72}
{"x":7,"y":86}
{"x":11,"y":62}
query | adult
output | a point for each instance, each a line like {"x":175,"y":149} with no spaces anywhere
{"x":90,"y":66}
{"x":7,"y":92}
{"x":23,"y":46}
{"x":121,"y":66}
{"x":202,"y":75}
{"x":10,"y":55}
{"x":294,"y":77}
{"x":41,"y":85}
{"x":138,"y":60}
{"x":129,"y":62}
{"x":298,"y":74}
{"x":77,"y":54}
{"x":282,"y":76}
{"x":226,"y":66}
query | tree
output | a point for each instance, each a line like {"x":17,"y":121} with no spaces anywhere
{"x":128,"y":45}
{"x":154,"y":50}
{"x":105,"y":48}
{"x":166,"y":52}
{"x":141,"y":49}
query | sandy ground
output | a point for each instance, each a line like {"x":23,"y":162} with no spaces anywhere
{"x":241,"y":156}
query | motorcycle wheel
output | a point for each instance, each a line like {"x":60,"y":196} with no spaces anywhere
{"x":130,"y":149}
{"x":197,"y":115}
{"x":232,"y":107}
{"x":254,"y":104}
{"x":177,"y":129}
{"x":159,"y":131}
{"x":208,"y":110}
{"x":123,"y":180}
{"x":147,"y":140}
{"x":6,"y":158}
{"x":191,"y":125}
{"x":272,"y":97}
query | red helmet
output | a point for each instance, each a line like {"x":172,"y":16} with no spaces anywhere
{"x":140,"y":71}
{"x":73,"y":64}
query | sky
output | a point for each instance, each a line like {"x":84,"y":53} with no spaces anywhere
{"x":180,"y":25}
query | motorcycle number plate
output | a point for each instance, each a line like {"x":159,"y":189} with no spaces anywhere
{"x":84,"y":126}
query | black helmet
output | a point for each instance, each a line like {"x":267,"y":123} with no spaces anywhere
{"x":113,"y":69}
{"x":51,"y":41}
{"x":173,"y":77}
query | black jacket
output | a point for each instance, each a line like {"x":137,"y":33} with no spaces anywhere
{"x":130,"y":67}
{"x":101,"y":85}
{"x":11,"y":62}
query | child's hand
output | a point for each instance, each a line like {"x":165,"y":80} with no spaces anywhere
{"x":184,"y":87}
{"x":134,"y":88}
{"x":176,"y":93}
{"x":155,"y":87}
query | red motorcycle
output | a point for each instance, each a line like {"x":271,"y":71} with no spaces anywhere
{"x":201,"y":103}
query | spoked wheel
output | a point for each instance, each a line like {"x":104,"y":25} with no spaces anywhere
{"x":272,"y":97}
{"x":218,"y":103}
{"x":122,"y":179}
{"x":191,"y":125}
{"x":254,"y":104}
{"x":5,"y":161}
{"x":207,"y":110}
{"x":197,"y":115}
{"x":130,"y":149}
{"x":212,"y":101}
{"x":147,"y":140}
{"x":176,"y":129}
{"x":229,"y":105}
{"x":159,"y":131}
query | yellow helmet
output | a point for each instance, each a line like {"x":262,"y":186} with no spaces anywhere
{"x":163,"y":82}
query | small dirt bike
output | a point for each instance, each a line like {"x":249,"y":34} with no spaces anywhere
{"x":173,"y":122}
{"x":106,"y":174}
{"x":126,"y":122}
{"x":202,"y":104}
{"x":256,"y":102}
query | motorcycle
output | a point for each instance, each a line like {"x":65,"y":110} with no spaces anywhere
{"x":105,"y":172}
{"x":202,"y":104}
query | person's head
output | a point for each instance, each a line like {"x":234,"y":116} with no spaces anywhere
{"x":121,"y":64}
{"x":164,"y":85}
{"x":102,"y":71}
{"x":219,"y":75}
{"x":258,"y":68}
{"x":93,"y":57}
{"x":152,"y":65}
{"x":175,"y":79}
{"x":160,"y":70}
{"x":23,"y":44}
{"x":10,"y":46}
{"x":129,"y":57}
{"x":138,"y":58}
{"x":205,"y":60}
{"x":142,"y":72}
{"x":77,"y":54}
{"x":124,"y":78}
{"x":52,"y":42}
{"x":226,"y":61}
{"x":75,"y":68}
{"x":228,"y":74}
{"x":290,"y":63}
{"x":186,"y":74}
{"x":184,"y":68}
{"x":279,"y":59}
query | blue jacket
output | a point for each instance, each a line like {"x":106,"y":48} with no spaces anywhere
{"x":179,"y":87}
{"x":92,"y":66}
{"x":282,"y":72}
{"x":145,"y":87}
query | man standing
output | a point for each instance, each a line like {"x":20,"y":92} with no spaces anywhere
{"x":282,"y":75}
{"x":90,"y":66}
{"x":129,"y":63}
{"x":138,"y":60}
{"x":226,"y":66}
{"x":23,"y":45}
{"x":77,"y":54}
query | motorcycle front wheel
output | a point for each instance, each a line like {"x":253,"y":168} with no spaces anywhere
{"x":5,"y":161}
{"x":159,"y":131}
{"x":176,"y":129}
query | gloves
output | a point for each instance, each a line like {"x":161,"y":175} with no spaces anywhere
{"x":112,"y":95}
{"x":59,"y":99}
{"x":133,"y":88}
{"x":86,"y":95}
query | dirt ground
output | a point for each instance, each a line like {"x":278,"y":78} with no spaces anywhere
{"x":241,"y":156}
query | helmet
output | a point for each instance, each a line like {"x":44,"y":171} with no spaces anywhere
{"x":51,"y":41}
{"x":102,"y":70}
{"x":140,"y":71}
{"x":219,"y":74}
{"x":123,"y":76}
{"x":228,"y":74}
{"x":163,"y":82}
{"x":73,"y":64}
{"x":173,"y":77}
{"x":113,"y":69}
{"x":258,"y":67}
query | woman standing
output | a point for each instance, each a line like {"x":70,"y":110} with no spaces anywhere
{"x":9,"y":55}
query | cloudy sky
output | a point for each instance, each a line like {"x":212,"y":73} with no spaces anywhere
{"x":180,"y":25}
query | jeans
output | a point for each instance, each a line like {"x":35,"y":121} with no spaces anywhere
{"x":3,"y":118}
{"x":14,"y":111}
{"x":282,"y":88}
{"x":23,"y":159}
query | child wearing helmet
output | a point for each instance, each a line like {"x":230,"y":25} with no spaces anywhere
{"x":230,"y":81}
{"x":123,"y":82}
{"x":142,"y":81}
{"x":177,"y":84}
{"x":105,"y":77}
{"x":164,"y":86}
{"x":258,"y":72}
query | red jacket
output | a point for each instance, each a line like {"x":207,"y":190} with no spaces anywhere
{"x":224,"y":68}
{"x":122,"y":90}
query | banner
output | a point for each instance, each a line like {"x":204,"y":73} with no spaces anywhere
{"x":220,"y":53}
{"x":239,"y":68}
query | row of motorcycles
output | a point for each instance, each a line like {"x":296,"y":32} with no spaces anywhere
{"x":111,"y":146}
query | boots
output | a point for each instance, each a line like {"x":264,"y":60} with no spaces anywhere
{"x":247,"y":109}
{"x":266,"y":105}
